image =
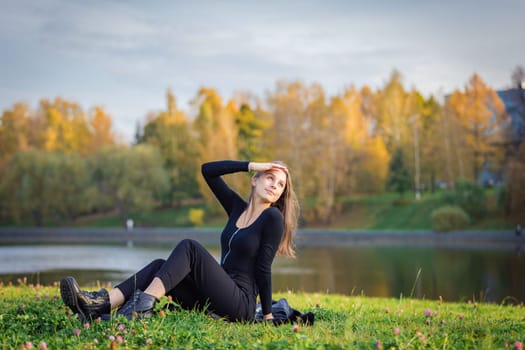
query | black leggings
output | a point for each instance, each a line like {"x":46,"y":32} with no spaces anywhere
{"x":194,"y":279}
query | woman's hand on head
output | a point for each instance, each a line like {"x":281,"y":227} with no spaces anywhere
{"x":256,"y":166}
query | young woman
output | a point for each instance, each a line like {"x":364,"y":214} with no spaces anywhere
{"x":256,"y":231}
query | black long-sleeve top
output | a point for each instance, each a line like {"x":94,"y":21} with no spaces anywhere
{"x":246,"y":253}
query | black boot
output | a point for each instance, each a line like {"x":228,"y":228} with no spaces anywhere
{"x":140,"y":305}
{"x":88,"y":305}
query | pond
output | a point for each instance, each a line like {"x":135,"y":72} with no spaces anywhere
{"x":477,"y":274}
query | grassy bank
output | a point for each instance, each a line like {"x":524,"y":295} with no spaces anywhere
{"x":368,"y":212}
{"x":31,"y":315}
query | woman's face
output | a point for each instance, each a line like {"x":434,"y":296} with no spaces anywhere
{"x":270,"y":185}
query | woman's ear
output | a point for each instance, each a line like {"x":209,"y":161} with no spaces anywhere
{"x":254,"y":180}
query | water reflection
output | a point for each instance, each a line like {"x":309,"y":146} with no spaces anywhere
{"x":422,"y":272}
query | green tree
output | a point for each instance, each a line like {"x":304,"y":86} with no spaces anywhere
{"x":15,"y":124}
{"x":514,"y":200}
{"x":170,"y":132}
{"x":470,"y":196}
{"x":43,"y":186}
{"x":250,"y":130}
{"x":432,"y":150}
{"x":22,"y":187}
{"x":130,"y":178}
{"x":398,"y":178}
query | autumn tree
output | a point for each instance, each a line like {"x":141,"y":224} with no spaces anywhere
{"x":364,"y":154}
{"x":398,"y":117}
{"x":479,"y":117}
{"x":64,"y":126}
{"x":373,"y":171}
{"x":15,"y":136}
{"x":14,"y":130}
{"x":430,"y":138}
{"x":393,"y":109}
{"x":170,"y":132}
{"x":100,"y":131}
{"x":216,"y":135}
{"x":290,"y":137}
{"x":56,"y":125}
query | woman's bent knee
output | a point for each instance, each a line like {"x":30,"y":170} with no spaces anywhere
{"x":188,"y":242}
{"x":157,"y":263}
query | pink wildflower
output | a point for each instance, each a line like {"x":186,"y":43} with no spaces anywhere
{"x":111,"y":338}
{"x":76,"y":332}
{"x":428,"y":312}
{"x":38,"y":297}
{"x":28,"y":345}
{"x":86,"y":325}
{"x":120,"y":339}
{"x":295,"y":328}
{"x":518,"y":345}
{"x":379,"y":345}
{"x":397,"y":331}
{"x":121,"y":326}
{"x":42,"y":345}
{"x":149,"y":341}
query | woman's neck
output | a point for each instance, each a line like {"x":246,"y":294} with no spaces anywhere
{"x":252,"y":212}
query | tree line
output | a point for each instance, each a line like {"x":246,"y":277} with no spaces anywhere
{"x":59,"y":162}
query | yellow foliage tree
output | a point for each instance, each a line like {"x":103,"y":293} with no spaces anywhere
{"x":100,"y":130}
{"x":15,"y":132}
{"x":170,"y":132}
{"x":216,"y":135}
{"x":479,"y":116}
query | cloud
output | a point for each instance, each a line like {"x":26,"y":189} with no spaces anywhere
{"x":124,"y":54}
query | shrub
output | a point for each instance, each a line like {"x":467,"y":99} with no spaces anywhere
{"x":449,"y":218}
{"x":196,"y":217}
{"x":470,"y":196}
{"x":401,"y":201}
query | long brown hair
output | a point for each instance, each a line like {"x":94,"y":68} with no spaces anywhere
{"x":288,"y":205}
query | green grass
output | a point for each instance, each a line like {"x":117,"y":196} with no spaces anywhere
{"x":369,"y":212}
{"x":389,"y":212}
{"x":36,"y":314}
{"x":159,"y":218}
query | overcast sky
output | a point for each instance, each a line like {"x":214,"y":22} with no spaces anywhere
{"x":123,"y":55}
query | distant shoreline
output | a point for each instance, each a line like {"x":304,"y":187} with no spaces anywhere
{"x":308,"y":237}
